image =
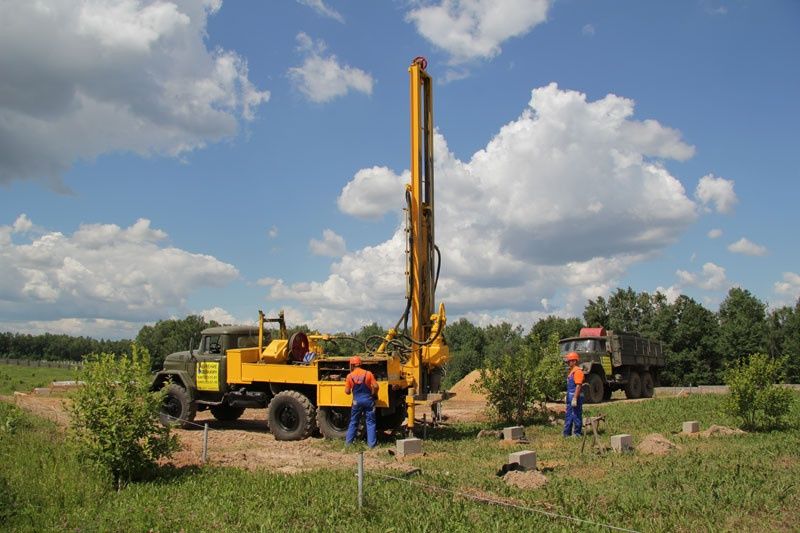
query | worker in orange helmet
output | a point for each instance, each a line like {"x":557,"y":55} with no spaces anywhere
{"x":573,"y":422}
{"x":362,"y":385}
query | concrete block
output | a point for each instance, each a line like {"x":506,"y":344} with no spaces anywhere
{"x":526,"y":459}
{"x":514,"y":433}
{"x":691,"y":427}
{"x":410,"y":446}
{"x":622,"y":443}
{"x":41,"y":391}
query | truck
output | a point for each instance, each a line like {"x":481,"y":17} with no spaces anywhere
{"x":299,"y":384}
{"x":616,"y":360}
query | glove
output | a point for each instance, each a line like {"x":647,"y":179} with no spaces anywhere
{"x":574,"y":401}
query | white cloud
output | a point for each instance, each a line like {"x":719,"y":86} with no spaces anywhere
{"x":671,"y":293}
{"x":475,"y":29}
{"x":746,"y":247}
{"x":320,"y":7}
{"x":102,"y":271}
{"x":711,"y":278}
{"x":557,"y":206}
{"x":588,"y":29}
{"x":85,"y":78}
{"x":372,"y":192}
{"x":272,"y":232}
{"x":717,"y":191}
{"x":331,"y":245}
{"x":219,"y":315}
{"x":714,"y":233}
{"x":790,"y":286}
{"x":321,"y":78}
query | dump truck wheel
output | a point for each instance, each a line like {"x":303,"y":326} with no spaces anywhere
{"x":606,"y":393}
{"x":226,"y":413}
{"x":333,"y":421}
{"x":648,"y":385}
{"x":633,"y":389}
{"x":291,"y":416}
{"x":178,"y":409}
{"x":594,"y":388}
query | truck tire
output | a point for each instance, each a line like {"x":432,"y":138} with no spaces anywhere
{"x":648,"y":385}
{"x":633,"y":389}
{"x":226,"y":413}
{"x":607,"y":392}
{"x":178,"y":409}
{"x":333,"y":421}
{"x":594,"y":388}
{"x":290,"y":416}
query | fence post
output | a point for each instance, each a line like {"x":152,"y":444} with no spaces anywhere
{"x":360,"y":480}
{"x":205,"y":442}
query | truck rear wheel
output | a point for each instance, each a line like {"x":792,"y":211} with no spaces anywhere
{"x":178,"y":409}
{"x":594,"y":388}
{"x":333,"y":422}
{"x":291,"y":416}
{"x":648,"y":385}
{"x":226,"y":413}
{"x":633,"y":389}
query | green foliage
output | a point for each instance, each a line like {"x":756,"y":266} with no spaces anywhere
{"x":555,"y":325}
{"x":170,"y":336}
{"x":51,"y":347}
{"x":518,"y":383}
{"x":784,"y":338}
{"x":742,"y":325}
{"x":691,"y":343}
{"x":115,"y":416}
{"x":753,"y":396}
{"x":466,"y":342}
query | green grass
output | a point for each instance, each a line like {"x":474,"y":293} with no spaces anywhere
{"x":26,"y":378}
{"x":747,"y":482}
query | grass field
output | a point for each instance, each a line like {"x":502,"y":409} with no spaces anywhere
{"x":733,"y":483}
{"x":26,"y":378}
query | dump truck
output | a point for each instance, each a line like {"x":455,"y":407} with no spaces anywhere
{"x":616,"y":360}
{"x":299,"y":384}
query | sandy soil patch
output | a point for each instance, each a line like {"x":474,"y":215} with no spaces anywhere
{"x":531,"y":479}
{"x":656,"y":444}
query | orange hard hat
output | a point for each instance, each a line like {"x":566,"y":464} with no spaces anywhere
{"x":572,"y":356}
{"x":355,"y":361}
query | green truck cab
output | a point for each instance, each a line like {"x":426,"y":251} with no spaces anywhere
{"x":616,"y":360}
{"x":196,"y":379}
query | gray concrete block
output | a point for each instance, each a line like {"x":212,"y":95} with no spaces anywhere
{"x":622,"y":443}
{"x":41,"y":391}
{"x":691,"y":426}
{"x":412,"y":446}
{"x":514,"y":433}
{"x":526,"y":459}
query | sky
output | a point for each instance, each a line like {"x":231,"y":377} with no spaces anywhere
{"x":174,"y":157}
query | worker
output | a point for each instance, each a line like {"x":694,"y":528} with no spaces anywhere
{"x":573,"y":422}
{"x":362,"y":385}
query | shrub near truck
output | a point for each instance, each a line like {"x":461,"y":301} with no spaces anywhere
{"x":616,"y":360}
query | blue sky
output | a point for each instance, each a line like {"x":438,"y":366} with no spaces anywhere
{"x":161,"y":158}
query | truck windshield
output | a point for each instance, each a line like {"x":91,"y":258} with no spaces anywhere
{"x":582,"y":345}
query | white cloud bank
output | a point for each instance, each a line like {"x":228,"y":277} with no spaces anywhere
{"x":711,"y":278}
{"x":101,"y":272}
{"x":84,"y":78}
{"x":321,"y":78}
{"x":474,"y":29}
{"x":718,"y":192}
{"x":555,"y":208}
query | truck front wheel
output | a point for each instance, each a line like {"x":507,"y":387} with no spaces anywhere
{"x":648,"y":385}
{"x":291,"y":416}
{"x":178,"y":408}
{"x":633,"y":389}
{"x":594,"y":388}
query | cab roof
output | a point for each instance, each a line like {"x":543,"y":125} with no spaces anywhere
{"x":231,"y":330}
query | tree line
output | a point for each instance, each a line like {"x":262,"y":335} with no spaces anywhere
{"x":700,"y":344}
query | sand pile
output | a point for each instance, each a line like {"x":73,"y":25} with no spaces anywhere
{"x":463,"y":389}
{"x":721,"y":431}
{"x":656,"y":444}
{"x":531,"y":479}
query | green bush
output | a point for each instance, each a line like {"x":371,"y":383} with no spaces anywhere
{"x":518,"y":384}
{"x":115,"y":416}
{"x":753,"y":396}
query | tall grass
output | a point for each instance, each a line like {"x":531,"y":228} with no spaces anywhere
{"x":747,"y":482}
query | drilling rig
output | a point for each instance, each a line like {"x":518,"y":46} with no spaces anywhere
{"x":291,"y":376}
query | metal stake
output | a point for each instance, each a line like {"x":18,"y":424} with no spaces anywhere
{"x":205,"y":442}
{"x":360,"y":480}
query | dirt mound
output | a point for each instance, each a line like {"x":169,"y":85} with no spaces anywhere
{"x":531,"y":479}
{"x":463,"y":389}
{"x":656,"y":444}
{"x":721,"y":431}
